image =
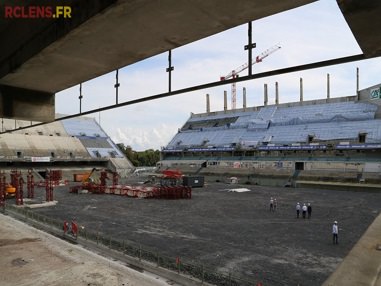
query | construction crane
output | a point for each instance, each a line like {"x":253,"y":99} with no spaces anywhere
{"x":234,"y":73}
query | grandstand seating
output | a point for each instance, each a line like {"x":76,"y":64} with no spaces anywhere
{"x":92,"y":136}
{"x":69,"y":140}
{"x":281,"y":125}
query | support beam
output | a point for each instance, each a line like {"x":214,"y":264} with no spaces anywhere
{"x":225,"y":100}
{"x":358,"y":83}
{"x":207,"y":103}
{"x":26,"y":104}
{"x":169,"y":70}
{"x":204,"y":86}
{"x":276,"y":93}
{"x":328,"y":88}
{"x":266,"y":98}
{"x":301,"y":90}
{"x":244,"y":98}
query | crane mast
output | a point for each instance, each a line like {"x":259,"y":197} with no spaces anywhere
{"x":234,"y":73}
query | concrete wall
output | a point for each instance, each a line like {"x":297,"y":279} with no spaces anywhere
{"x":313,"y":170}
{"x":40,"y":146}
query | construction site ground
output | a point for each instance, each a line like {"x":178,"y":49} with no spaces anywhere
{"x":32,"y":257}
{"x":231,"y":232}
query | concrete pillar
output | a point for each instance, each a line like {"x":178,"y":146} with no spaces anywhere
{"x":25,"y":104}
{"x":358,"y":83}
{"x":328,"y":87}
{"x":301,"y":90}
{"x":207,"y":103}
{"x":225,"y":100}
{"x":276,"y":93}
{"x":244,"y":97}
{"x":266,"y":98}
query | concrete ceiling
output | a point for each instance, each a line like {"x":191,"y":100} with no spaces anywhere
{"x":363,"y":17}
{"x":123,"y":33}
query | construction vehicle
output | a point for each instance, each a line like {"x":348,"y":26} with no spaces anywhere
{"x":234,"y":73}
{"x":88,"y":177}
{"x":171,"y":178}
{"x":94,"y":184}
{"x":10,"y":191}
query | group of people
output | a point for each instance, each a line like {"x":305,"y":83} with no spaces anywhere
{"x":305,"y":210}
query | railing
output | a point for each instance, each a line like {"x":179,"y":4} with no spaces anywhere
{"x":132,"y":250}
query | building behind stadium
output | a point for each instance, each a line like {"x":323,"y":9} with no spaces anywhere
{"x":332,"y":139}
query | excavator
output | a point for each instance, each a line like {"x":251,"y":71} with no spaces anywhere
{"x":95,"y":184}
{"x":88,"y":177}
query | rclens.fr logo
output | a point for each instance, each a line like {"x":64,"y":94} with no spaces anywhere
{"x":36,"y":12}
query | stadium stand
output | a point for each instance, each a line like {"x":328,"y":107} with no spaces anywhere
{"x":70,"y":143}
{"x":309,"y":137}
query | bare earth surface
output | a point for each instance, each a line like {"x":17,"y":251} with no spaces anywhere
{"x":31,"y":257}
{"x":227,"y":231}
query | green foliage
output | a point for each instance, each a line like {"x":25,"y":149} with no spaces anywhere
{"x":144,"y":158}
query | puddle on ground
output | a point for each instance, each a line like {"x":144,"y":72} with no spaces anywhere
{"x":19,"y":262}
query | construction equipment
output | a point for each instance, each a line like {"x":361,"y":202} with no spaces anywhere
{"x":95,"y":185}
{"x":88,"y":177}
{"x":234,"y":73}
{"x":10,"y":191}
{"x":71,"y":229}
{"x":171,"y":178}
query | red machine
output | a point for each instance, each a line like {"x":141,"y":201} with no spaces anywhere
{"x":30,"y":184}
{"x":2,"y":189}
{"x":95,"y":185}
{"x":171,"y":178}
{"x":49,"y":186}
{"x":71,"y":229}
{"x":171,"y":187}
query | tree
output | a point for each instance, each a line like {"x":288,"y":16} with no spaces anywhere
{"x":144,"y":158}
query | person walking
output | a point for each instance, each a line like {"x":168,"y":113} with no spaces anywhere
{"x":304,"y":210}
{"x":309,"y":210}
{"x":297,"y":210}
{"x":271,"y":204}
{"x":275,"y":204}
{"x":335,"y":233}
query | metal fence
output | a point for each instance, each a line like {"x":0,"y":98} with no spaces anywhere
{"x":133,"y":250}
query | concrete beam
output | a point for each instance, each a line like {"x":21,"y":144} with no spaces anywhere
{"x":26,"y":104}
{"x":359,"y":16}
{"x":24,"y":38}
{"x":123,"y":33}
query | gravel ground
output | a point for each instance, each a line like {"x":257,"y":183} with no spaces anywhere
{"x":233,"y":232}
{"x":30,"y":257}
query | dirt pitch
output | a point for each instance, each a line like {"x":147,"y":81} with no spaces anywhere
{"x":233,"y":232}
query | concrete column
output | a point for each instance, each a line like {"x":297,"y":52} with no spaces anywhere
{"x":244,"y":97}
{"x":328,"y":87}
{"x":358,"y":83}
{"x":225,"y":100}
{"x":276,"y":93}
{"x":207,"y":103}
{"x":266,"y":98}
{"x":301,"y":90}
{"x":25,"y":104}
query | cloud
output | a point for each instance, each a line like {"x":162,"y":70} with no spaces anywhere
{"x":143,"y":139}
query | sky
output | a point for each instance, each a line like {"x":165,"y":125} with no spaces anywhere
{"x":307,"y":34}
